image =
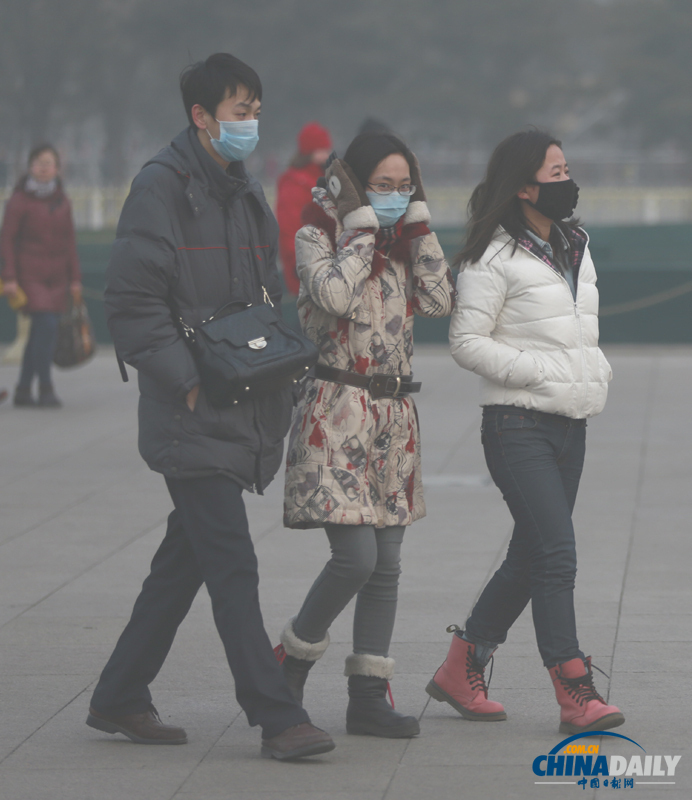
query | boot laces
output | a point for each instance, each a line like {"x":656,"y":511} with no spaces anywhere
{"x":389,"y":692}
{"x":475,"y":673}
{"x":582,"y":689}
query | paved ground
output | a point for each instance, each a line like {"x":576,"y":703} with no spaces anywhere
{"x":80,"y":516}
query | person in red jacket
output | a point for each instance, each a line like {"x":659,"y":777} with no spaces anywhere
{"x":294,"y":192}
{"x":38,"y":251}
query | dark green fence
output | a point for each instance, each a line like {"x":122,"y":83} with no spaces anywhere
{"x":644,"y":278}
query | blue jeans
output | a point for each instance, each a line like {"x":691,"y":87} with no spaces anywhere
{"x":536,"y":461}
{"x":38,"y":353}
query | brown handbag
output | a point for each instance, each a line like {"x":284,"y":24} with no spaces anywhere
{"x":76,"y":343}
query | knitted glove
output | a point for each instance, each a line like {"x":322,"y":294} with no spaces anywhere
{"x":343,"y":188}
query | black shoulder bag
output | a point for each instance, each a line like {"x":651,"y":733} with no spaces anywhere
{"x":248,"y":352}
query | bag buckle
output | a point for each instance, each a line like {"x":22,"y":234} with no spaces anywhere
{"x":188,"y":332}
{"x":267,"y":299}
{"x":257,"y":344}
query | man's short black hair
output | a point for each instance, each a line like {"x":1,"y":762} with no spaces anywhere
{"x":207,"y":83}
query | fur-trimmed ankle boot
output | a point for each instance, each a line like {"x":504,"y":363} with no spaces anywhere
{"x":297,"y":658}
{"x":460,"y":681}
{"x":582,"y":709}
{"x":368,"y":712}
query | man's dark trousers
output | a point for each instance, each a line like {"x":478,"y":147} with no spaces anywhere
{"x":207,"y":541}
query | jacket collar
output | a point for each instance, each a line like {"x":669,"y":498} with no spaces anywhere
{"x":579,"y":242}
{"x":205,"y":180}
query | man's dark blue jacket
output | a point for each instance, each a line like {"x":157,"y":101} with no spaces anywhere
{"x":192,"y":237}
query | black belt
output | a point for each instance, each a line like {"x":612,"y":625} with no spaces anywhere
{"x":539,"y":416}
{"x":379,"y":384}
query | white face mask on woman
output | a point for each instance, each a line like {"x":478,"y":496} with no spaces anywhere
{"x":389,"y":208}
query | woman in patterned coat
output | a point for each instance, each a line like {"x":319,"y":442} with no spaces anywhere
{"x":367,"y":263}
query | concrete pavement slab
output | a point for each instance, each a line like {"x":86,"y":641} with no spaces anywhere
{"x":81,"y":516}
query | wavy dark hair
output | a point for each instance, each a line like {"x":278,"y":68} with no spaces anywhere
{"x":513,"y":164}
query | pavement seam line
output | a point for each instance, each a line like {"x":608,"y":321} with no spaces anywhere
{"x":456,"y":446}
{"x":403,"y":754}
{"x":643,"y":453}
{"x":43,"y":724}
{"x":87,"y":569}
{"x":206,"y":753}
{"x":61,"y":459}
{"x":106,"y":487}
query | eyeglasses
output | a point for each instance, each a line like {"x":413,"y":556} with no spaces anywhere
{"x":406,"y":190}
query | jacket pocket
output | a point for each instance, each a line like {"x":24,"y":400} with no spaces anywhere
{"x":275,"y":413}
{"x":605,"y":370}
{"x":228,"y":424}
{"x":525,"y":372}
{"x":555,"y":366}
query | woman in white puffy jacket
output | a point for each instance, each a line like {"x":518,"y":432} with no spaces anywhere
{"x":526,"y":321}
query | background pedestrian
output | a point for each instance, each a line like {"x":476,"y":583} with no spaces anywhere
{"x":39,"y":255}
{"x":294,"y":192}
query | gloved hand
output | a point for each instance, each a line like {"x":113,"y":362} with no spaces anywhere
{"x":344,"y":188}
{"x":417,"y":181}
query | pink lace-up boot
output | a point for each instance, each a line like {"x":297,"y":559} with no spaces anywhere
{"x":460,"y":682}
{"x":582,"y":709}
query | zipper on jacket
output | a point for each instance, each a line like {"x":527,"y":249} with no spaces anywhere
{"x":583,"y":356}
{"x":578,"y":320}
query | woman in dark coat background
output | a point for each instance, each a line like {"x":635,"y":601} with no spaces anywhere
{"x":39,"y":254}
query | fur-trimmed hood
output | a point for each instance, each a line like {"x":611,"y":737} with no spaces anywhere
{"x":321,"y":213}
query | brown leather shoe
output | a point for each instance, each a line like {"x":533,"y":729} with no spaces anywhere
{"x":145,"y":728}
{"x":298,"y":741}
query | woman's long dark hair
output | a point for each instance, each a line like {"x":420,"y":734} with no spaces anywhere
{"x":513,"y":164}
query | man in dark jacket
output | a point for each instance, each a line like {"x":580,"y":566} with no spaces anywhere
{"x":195,"y":234}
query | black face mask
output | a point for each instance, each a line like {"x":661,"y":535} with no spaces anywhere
{"x":557,"y":199}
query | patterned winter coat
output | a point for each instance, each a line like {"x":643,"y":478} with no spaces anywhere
{"x":352,"y":459}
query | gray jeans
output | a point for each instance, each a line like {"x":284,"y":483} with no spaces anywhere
{"x":365,"y":561}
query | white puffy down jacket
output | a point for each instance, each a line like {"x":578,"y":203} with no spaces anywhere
{"x":517,"y":325}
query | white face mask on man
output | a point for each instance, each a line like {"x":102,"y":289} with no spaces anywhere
{"x":237,"y":139}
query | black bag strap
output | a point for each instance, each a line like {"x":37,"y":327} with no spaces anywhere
{"x":123,"y":371}
{"x":253,"y":249}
